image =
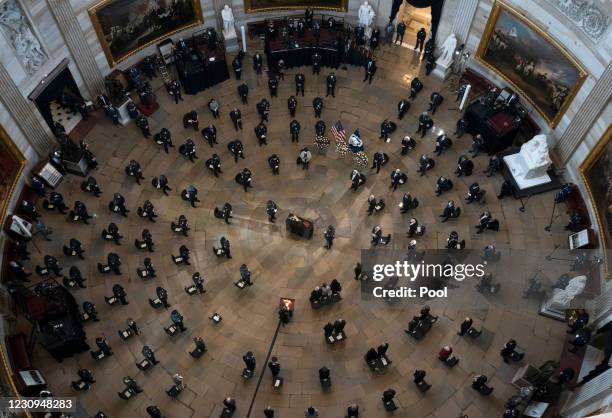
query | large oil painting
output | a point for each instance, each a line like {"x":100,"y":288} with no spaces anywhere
{"x":533,"y":62}
{"x":596,"y":172}
{"x":12,"y":162}
{"x":127,"y":26}
{"x":252,"y":6}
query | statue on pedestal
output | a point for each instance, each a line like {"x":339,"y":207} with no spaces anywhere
{"x":228,"y":21}
{"x":447,"y":50}
{"x":535,"y":157}
{"x":561,"y":299}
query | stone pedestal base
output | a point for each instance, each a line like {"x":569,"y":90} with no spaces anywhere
{"x":231,"y":41}
{"x":514,"y":164}
{"x":442,"y":70}
{"x":124,"y":117}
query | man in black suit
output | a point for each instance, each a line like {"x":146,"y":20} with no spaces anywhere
{"x":273,"y":86}
{"x":243,"y":91}
{"x":257,"y":62}
{"x":292,"y":105}
{"x":370,"y":70}
{"x":331,"y":85}
{"x":421,"y":35}
{"x":237,"y":66}
{"x":316,"y":63}
{"x":402,"y":108}
{"x":236,"y":117}
{"x":300,"y":80}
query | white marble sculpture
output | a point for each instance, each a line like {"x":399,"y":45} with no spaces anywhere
{"x":535,"y":156}
{"x":562,"y":298}
{"x":228,"y":21}
{"x":366,"y":14}
{"x":447,"y":50}
{"x":18,"y":31}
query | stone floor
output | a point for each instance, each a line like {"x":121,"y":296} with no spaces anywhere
{"x":286,"y":266}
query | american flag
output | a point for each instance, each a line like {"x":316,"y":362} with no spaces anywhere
{"x":339,"y":132}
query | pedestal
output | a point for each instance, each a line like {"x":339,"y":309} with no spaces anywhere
{"x":514,"y":162}
{"x":442,"y":69}
{"x":231,"y":40}
{"x":124,"y":117}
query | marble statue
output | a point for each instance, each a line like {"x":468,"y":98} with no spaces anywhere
{"x":228,"y":20}
{"x":562,"y":298}
{"x":447,"y":50}
{"x":535,"y":156}
{"x":366,"y":14}
{"x":18,"y":31}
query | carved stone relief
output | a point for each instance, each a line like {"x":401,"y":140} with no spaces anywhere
{"x":585,"y":14}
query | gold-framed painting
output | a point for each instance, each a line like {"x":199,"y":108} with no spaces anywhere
{"x":125,"y":27}
{"x":596,"y":173}
{"x":531,"y":61}
{"x":256,"y":6}
{"x":12,"y":163}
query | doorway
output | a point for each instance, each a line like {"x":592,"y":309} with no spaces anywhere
{"x":415,"y":19}
{"x":58,"y":98}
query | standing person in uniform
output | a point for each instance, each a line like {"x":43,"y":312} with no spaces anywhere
{"x":300,"y":80}
{"x":331,"y":85}
{"x":237,"y":66}
{"x":420,"y":40}
{"x":370,"y":70}
{"x":399,"y":34}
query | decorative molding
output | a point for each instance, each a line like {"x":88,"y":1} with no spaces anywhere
{"x":586,"y":15}
{"x":19,"y":32}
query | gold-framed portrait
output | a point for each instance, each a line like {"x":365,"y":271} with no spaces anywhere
{"x":531,"y":61}
{"x":256,"y":6}
{"x":125,"y":27}
{"x":12,"y":163}
{"x":596,"y":173}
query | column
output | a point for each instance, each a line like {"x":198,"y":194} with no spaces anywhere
{"x":462,"y":22}
{"x":24,"y":113}
{"x":586,"y":116}
{"x":76,"y":42}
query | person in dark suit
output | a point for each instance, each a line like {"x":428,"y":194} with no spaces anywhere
{"x":435,"y":100}
{"x":236,"y":118}
{"x":370,"y":70}
{"x":273,"y":86}
{"x":133,"y":170}
{"x":274,"y":163}
{"x":317,"y":105}
{"x":450,"y":211}
{"x":243,"y":91}
{"x":316,"y":63}
{"x":425,"y":122}
{"x":420,"y":40}
{"x":331,"y":85}
{"x":143,"y":124}
{"x":236,"y":148}
{"x":402,"y":108}
{"x":209,"y":133}
{"x":400,"y":31}
{"x":464,"y":166}
{"x":257,"y":62}
{"x":260,"y":132}
{"x":443,"y":142}
{"x":214,"y":164}
{"x":292,"y":105}
{"x":294,"y":129}
{"x":462,"y":125}
{"x":237,"y":66}
{"x":300,"y":80}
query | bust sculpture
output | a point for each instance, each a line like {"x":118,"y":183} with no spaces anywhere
{"x":447,"y":50}
{"x":366,"y":14}
{"x":228,"y":20}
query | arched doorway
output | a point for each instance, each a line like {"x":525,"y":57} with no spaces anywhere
{"x":415,"y":19}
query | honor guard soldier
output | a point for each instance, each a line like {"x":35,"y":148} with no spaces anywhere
{"x":243,"y":92}
{"x":236,"y":148}
{"x":274,"y":163}
{"x":370,"y":70}
{"x":161,"y":182}
{"x":316,"y":63}
{"x":331,"y":85}
{"x":273,"y":86}
{"x":435,"y":100}
{"x":300,"y":80}
{"x":133,"y":170}
{"x":294,"y":129}
{"x":190,"y":120}
{"x":402,"y":108}
{"x":257,"y":62}
{"x":416,"y":86}
{"x":292,"y":105}
{"x":237,"y":66}
{"x":420,"y":39}
{"x":143,"y":124}
{"x":214,"y":164}
{"x":263,"y":108}
{"x":209,"y":133}
{"x":260,"y":132}
{"x":164,"y":138}
{"x":118,"y":204}
{"x":174,"y":89}
{"x":317,"y":104}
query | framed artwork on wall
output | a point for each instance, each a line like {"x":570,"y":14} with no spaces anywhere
{"x":531,"y":61}
{"x":125,"y":27}
{"x":596,"y":173}
{"x":12,"y":163}
{"x":254,"y":6}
